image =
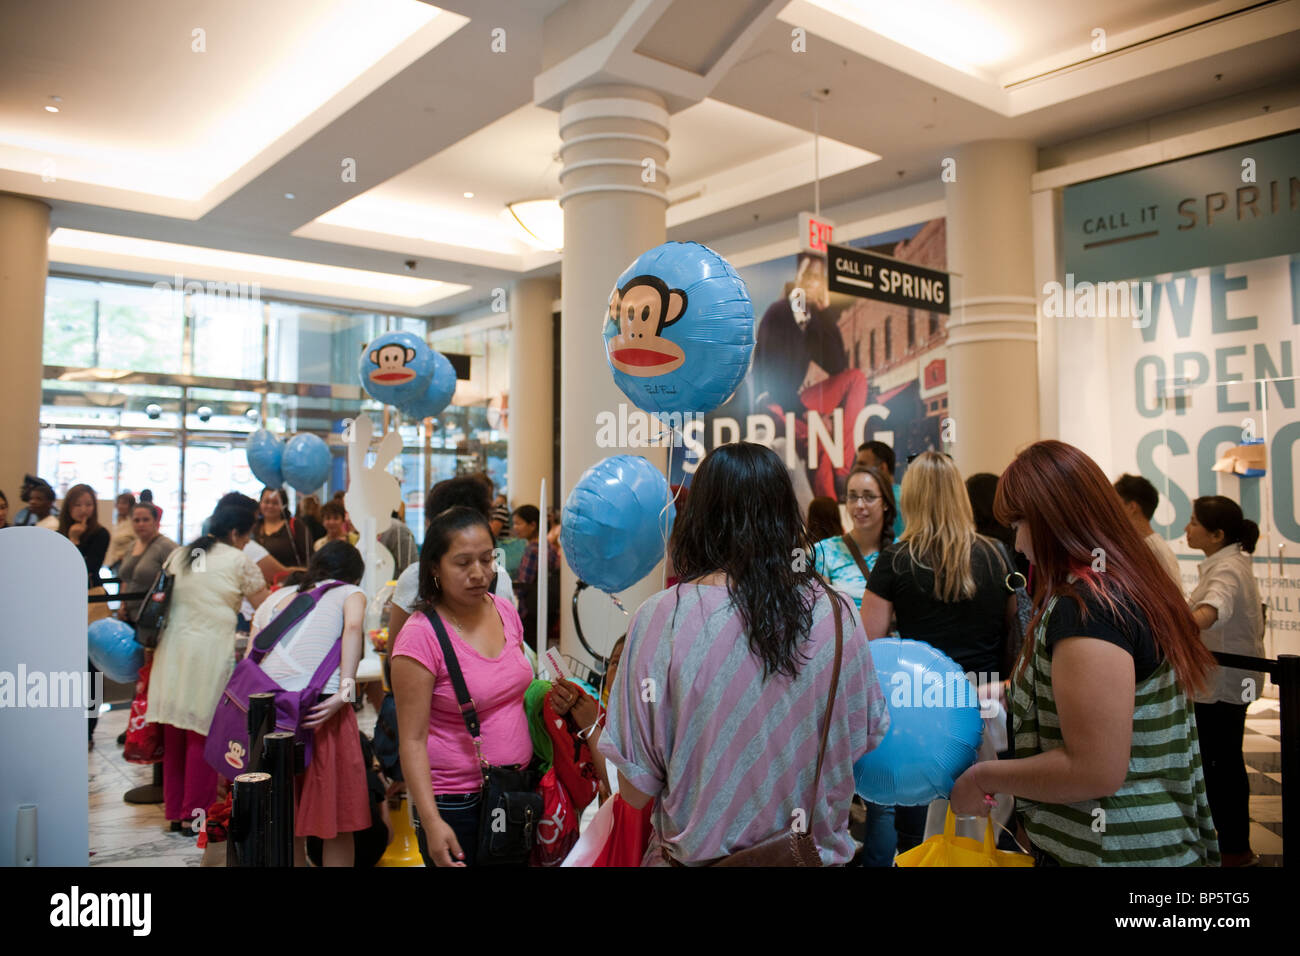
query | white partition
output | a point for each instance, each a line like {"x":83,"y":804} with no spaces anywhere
{"x":43,"y":691}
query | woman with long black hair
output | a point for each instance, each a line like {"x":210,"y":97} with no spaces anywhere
{"x":196,"y":655}
{"x":721,"y":696}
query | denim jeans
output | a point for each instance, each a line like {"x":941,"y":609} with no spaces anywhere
{"x":881,"y":837}
{"x":909,"y":822}
{"x":460,"y":812}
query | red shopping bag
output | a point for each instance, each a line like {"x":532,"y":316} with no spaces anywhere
{"x":144,"y":742}
{"x":627,"y":841}
{"x":573,"y":765}
{"x":558,"y":830}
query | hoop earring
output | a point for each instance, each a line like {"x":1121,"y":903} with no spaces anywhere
{"x":436,"y":583}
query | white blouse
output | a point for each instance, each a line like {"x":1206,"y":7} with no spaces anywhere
{"x":1227,"y":584}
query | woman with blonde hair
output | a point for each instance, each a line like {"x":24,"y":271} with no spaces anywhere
{"x":944,"y":584}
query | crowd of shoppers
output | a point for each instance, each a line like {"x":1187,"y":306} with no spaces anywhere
{"x":758,"y":665}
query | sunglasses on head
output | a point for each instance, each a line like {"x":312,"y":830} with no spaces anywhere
{"x":917,"y":454}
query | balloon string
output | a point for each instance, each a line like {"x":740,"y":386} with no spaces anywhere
{"x":672,"y":502}
{"x":1010,"y":834}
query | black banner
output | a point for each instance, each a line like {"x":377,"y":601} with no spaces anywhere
{"x":869,"y":276}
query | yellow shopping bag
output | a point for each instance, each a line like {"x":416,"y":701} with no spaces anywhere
{"x":948,"y":849}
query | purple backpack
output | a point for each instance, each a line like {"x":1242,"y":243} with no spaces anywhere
{"x":227,"y":747}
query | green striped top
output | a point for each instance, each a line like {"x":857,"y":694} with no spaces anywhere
{"x":1159,"y":817}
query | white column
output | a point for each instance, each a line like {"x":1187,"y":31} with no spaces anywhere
{"x":993,"y":329}
{"x":24,"y":265}
{"x":611,"y":216}
{"x":532,"y":372}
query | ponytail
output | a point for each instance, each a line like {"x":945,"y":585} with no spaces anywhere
{"x":1249,"y":535}
{"x":1217,"y":513}
{"x":225,"y":521}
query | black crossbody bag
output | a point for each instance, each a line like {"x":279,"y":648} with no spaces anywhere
{"x":153,"y":610}
{"x":511,"y":808}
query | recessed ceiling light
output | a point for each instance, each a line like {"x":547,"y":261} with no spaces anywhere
{"x":288,"y":195}
{"x":469,"y":195}
{"x":51,"y":109}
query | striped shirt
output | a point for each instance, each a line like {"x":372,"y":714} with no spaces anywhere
{"x":731,"y":758}
{"x":1159,"y":817}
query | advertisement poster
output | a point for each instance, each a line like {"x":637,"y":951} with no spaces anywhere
{"x":831,"y":371}
{"x":1213,"y":365}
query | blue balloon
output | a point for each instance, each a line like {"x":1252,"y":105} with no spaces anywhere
{"x":615,"y":522}
{"x":396,"y":367}
{"x":114,"y":650}
{"x":438,"y":395}
{"x":265,"y":453}
{"x":680,"y":329}
{"x":306,"y":463}
{"x":934,"y":726}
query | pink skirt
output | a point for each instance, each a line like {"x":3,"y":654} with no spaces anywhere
{"x":332,"y":795}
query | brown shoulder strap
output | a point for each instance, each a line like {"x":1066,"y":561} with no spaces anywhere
{"x":857,"y":555}
{"x":830,"y":703}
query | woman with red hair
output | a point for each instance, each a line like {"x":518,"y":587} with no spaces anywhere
{"x":1108,"y":766}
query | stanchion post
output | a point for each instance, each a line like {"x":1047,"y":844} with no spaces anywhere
{"x":261,"y":721}
{"x":278,"y":761}
{"x":1288,"y":683}
{"x":250,"y":809}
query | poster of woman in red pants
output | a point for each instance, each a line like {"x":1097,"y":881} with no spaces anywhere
{"x":831,"y":371}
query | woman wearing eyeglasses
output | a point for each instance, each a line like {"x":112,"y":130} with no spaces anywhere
{"x":845,"y":561}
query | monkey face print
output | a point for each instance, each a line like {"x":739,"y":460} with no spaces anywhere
{"x":396,"y":367}
{"x":641,"y":310}
{"x":679,"y":330}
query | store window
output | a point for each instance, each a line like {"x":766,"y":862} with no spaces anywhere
{"x":248,"y":362}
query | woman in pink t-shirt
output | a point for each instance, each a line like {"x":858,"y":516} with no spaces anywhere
{"x":457,"y":572}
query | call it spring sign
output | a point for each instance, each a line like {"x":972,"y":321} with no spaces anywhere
{"x":1233,"y":205}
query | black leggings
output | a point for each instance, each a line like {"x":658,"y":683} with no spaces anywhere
{"x":1220,"y":728}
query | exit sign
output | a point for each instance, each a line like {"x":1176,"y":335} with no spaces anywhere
{"x":814,"y":233}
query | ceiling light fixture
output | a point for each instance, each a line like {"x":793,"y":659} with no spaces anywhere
{"x":469,"y":195}
{"x":54,"y":109}
{"x":541,"y":220}
{"x":288,"y":196}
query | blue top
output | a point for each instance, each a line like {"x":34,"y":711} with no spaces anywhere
{"x":835,"y":563}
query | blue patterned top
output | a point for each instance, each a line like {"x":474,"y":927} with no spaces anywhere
{"x":835,"y":563}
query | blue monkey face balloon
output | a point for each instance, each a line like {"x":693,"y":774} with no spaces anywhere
{"x":396,"y":367}
{"x":680,"y":329}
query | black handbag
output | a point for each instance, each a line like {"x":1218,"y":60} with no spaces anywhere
{"x":511,"y":808}
{"x":153,"y":611}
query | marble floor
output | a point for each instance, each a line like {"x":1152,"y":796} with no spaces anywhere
{"x":122,"y":834}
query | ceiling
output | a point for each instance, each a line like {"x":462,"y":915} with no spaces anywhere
{"x":327,"y":142}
